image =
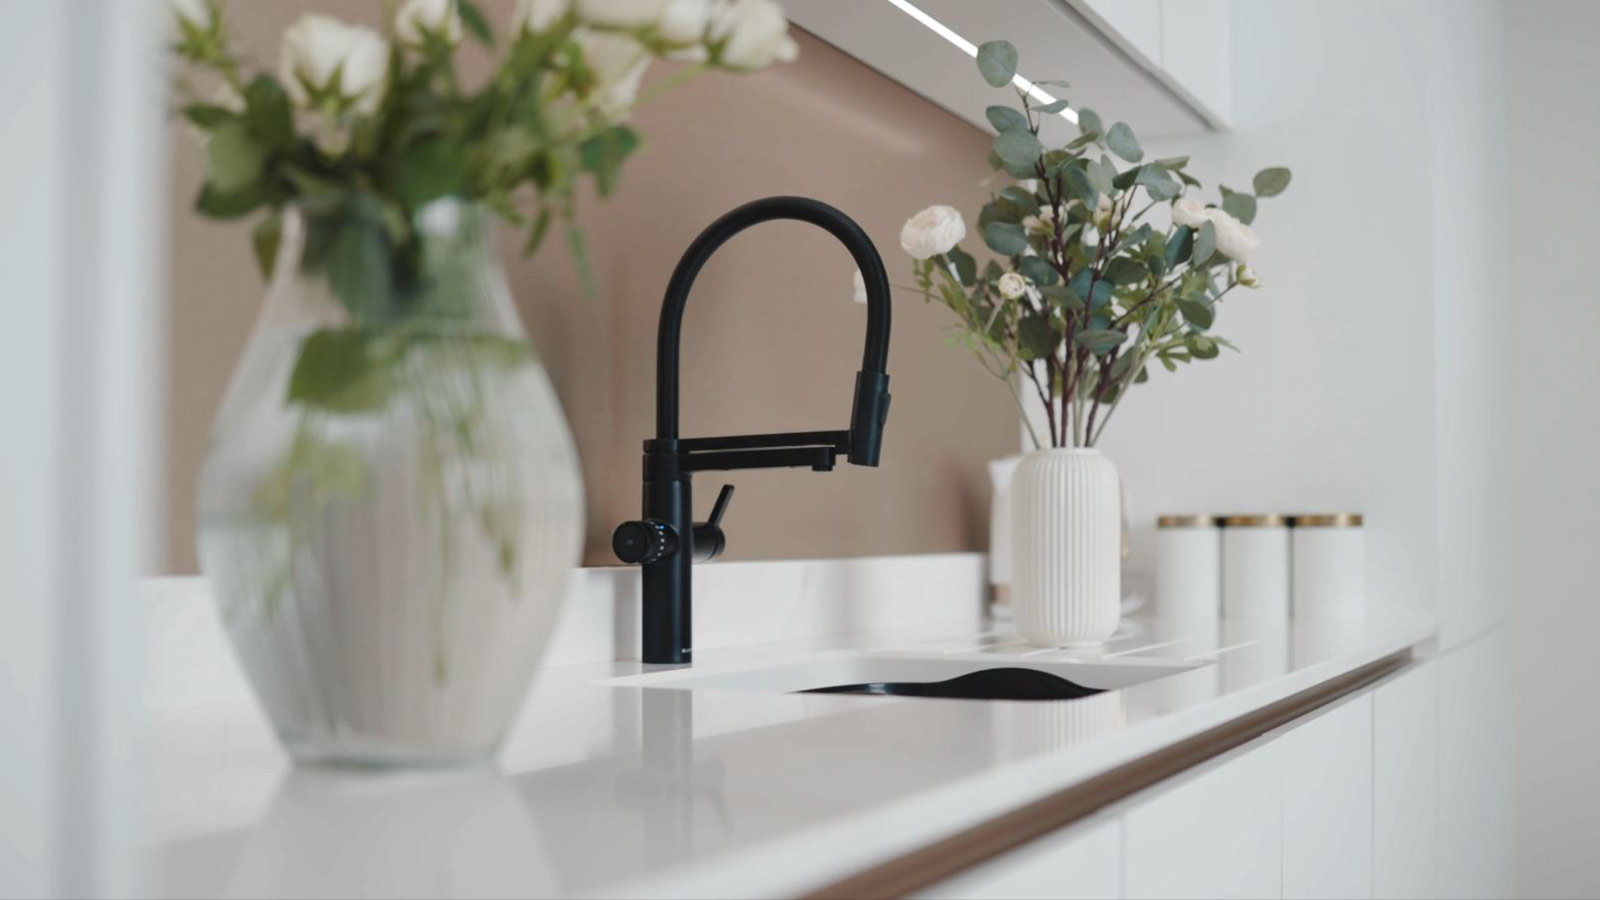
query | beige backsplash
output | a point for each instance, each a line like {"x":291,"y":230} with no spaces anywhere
{"x":771,"y":339}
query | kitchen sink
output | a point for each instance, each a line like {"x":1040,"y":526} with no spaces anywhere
{"x":970,"y":676}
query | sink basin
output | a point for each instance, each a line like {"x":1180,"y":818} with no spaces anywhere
{"x":969,"y":676}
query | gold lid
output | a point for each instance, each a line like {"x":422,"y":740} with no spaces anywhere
{"x":1193,"y":520}
{"x":1255,"y":520}
{"x":1326,"y":520}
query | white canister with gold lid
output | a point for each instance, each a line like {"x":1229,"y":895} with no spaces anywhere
{"x":1188,"y":567}
{"x":1329,"y":564}
{"x":1255,"y":567}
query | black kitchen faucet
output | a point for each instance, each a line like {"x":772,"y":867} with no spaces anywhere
{"x":667,"y":539}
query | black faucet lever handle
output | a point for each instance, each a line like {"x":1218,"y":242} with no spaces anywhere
{"x":709,"y":540}
{"x":724,"y":496}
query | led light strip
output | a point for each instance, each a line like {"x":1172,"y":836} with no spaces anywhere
{"x":971,"y":49}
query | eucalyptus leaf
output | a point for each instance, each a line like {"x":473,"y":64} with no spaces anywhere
{"x":1062,"y":297}
{"x":1006,"y":118}
{"x":1100,"y":341}
{"x":1203,"y":347}
{"x":997,"y":62}
{"x":1125,"y":270}
{"x":1240,"y":206}
{"x":1051,"y":108}
{"x":966,"y":266}
{"x":1038,"y":271}
{"x":1081,"y":186}
{"x":1035,"y":338}
{"x":1179,"y":247}
{"x":1023,"y":199}
{"x":1205,"y":243}
{"x":1122,"y":142}
{"x":1089,"y":121}
{"x":1018,"y":147}
{"x":1053,"y":82}
{"x":1196,"y":313}
{"x":1271,"y":182}
{"x":1005,"y":238}
{"x":1102,"y":175}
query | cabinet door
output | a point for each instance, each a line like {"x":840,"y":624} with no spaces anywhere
{"x":1405,"y":784}
{"x":1084,"y":861}
{"x":1327,"y":802}
{"x":1215,"y":831}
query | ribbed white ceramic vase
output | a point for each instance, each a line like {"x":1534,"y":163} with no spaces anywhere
{"x":1066,"y":535}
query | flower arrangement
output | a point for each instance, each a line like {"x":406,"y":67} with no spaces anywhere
{"x":369,"y":127}
{"x":1085,"y":293}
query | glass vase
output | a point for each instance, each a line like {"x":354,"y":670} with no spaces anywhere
{"x":390,"y":503}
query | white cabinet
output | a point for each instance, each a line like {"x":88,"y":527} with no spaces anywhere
{"x":1327,"y":802}
{"x":1083,"y":861}
{"x":1401,"y":790}
{"x":1214,"y":832}
{"x":1405,"y":784}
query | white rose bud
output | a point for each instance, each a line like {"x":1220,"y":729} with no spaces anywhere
{"x":1102,"y":213}
{"x":750,"y":34}
{"x":618,"y":63}
{"x":1012,"y":285}
{"x":1236,"y":240}
{"x":416,"y":18}
{"x":622,"y":13}
{"x":538,"y":15}
{"x":197,"y":13}
{"x":1246,"y":276}
{"x":1189,"y":211}
{"x":933,"y":231}
{"x":860,"y":285}
{"x":320,"y":50}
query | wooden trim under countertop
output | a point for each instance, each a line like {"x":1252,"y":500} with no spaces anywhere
{"x":926,"y":866}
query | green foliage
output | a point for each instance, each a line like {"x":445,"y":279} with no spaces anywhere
{"x":1109,"y":293}
{"x":1271,"y":182}
{"x":1005,"y":118}
{"x":997,"y":62}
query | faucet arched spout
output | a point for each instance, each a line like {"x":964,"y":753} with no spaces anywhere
{"x":863,"y":441}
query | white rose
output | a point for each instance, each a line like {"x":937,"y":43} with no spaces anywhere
{"x":320,"y":50}
{"x":684,"y":21}
{"x":933,"y":231}
{"x":196,"y":12}
{"x":1236,"y":240}
{"x":860,"y":285}
{"x":1102,"y":213}
{"x":750,"y":34}
{"x":618,"y":63}
{"x":1189,"y":211}
{"x":435,"y":17}
{"x":1013,"y":285}
{"x":537,"y":15}
{"x":622,"y":13}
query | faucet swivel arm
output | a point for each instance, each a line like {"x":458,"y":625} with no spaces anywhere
{"x":665,"y":541}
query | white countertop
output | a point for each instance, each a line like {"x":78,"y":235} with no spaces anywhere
{"x":615,"y":790}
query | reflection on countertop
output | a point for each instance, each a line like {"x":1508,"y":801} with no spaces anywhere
{"x":621,"y":790}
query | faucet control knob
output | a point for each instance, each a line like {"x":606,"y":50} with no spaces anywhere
{"x":645,"y":541}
